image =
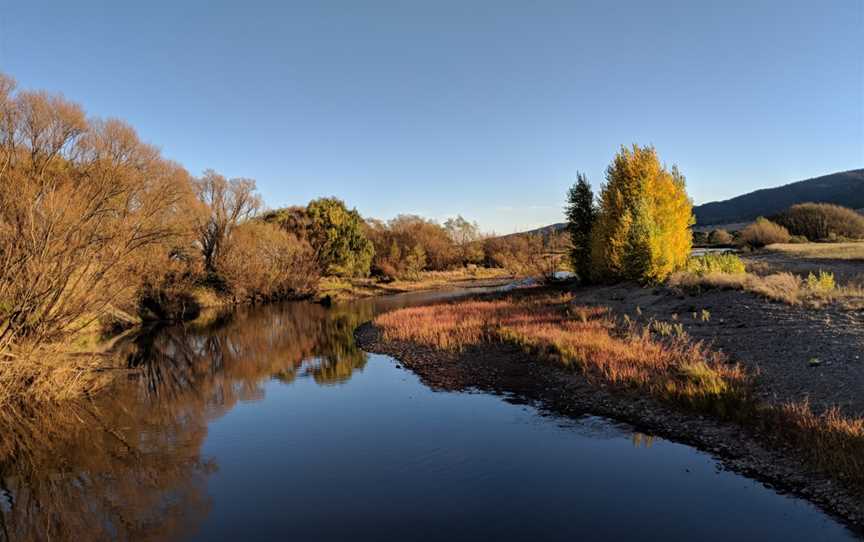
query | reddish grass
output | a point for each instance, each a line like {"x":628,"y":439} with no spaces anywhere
{"x":584,"y":338}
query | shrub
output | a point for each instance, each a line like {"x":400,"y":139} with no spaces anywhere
{"x":400,"y":242}
{"x":763,"y":232}
{"x":84,"y":204}
{"x":263,"y":261}
{"x":337,"y":234}
{"x":524,"y":254}
{"x":715,"y":263}
{"x":784,"y":287}
{"x":642,"y":228}
{"x":822,"y":221}
{"x":720,"y":237}
{"x":821,"y":283}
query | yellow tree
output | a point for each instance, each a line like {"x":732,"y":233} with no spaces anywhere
{"x":642,"y":230}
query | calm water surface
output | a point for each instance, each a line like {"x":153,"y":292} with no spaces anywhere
{"x":269,"y":424}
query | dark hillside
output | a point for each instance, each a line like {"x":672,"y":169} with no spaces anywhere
{"x":845,"y":188}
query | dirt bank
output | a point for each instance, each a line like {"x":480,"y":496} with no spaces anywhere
{"x":796,"y":352}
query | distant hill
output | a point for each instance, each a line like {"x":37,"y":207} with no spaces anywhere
{"x":845,"y":188}
{"x":545,"y":231}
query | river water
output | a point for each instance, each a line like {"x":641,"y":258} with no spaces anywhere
{"x":269,"y":423}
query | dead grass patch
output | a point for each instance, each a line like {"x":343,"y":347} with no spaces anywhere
{"x":50,"y":374}
{"x":829,"y":251}
{"x":815,"y":291}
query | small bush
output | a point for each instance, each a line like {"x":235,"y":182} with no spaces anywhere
{"x":784,"y":287}
{"x":763,"y":232}
{"x":720,"y":237}
{"x":822,"y":283}
{"x":715,"y":263}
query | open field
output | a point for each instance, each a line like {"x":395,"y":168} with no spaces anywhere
{"x":813,"y":275}
{"x":844,"y":260}
{"x":340,"y":289}
{"x":828,"y":251}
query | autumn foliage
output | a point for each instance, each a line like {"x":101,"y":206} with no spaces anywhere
{"x":642,"y":228}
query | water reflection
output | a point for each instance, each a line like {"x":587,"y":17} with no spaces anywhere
{"x":128,"y":465}
{"x":227,"y":359}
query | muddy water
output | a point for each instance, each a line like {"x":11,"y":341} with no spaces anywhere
{"x":269,"y":424}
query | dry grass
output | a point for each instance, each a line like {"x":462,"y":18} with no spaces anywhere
{"x":51,"y":375}
{"x":815,"y":291}
{"x":584,"y":338}
{"x":343,"y":289}
{"x":830,"y":441}
{"x":657,"y":359}
{"x":819,"y":251}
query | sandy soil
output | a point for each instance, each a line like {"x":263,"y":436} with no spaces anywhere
{"x":845,"y":269}
{"x":775,"y":340}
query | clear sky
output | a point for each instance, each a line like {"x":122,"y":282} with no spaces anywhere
{"x":487,"y":109}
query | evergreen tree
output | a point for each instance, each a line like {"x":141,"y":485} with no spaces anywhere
{"x":581,"y":213}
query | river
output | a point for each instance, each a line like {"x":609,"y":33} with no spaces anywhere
{"x":268,"y":423}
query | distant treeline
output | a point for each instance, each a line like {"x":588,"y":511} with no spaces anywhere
{"x":801,"y":223}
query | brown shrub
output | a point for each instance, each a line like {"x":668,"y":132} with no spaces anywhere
{"x":262,"y":261}
{"x":762,"y":233}
{"x":400,"y":242}
{"x":81,"y":206}
{"x":524,"y":254}
{"x":720,"y":237}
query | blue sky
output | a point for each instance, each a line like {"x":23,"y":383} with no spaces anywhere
{"x":487,"y":109}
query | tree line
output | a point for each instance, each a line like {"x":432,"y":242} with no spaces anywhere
{"x":800,"y":223}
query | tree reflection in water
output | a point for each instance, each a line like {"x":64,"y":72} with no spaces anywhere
{"x":128,"y":465}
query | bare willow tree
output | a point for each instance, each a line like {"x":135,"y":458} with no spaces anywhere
{"x":81,"y":202}
{"x":466,"y":236}
{"x":225,"y":204}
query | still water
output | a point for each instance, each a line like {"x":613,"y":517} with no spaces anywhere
{"x":270,"y":424}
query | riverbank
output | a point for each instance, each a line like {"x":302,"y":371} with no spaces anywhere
{"x":758,"y":446}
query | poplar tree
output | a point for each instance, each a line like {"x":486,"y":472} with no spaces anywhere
{"x":642,"y":228}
